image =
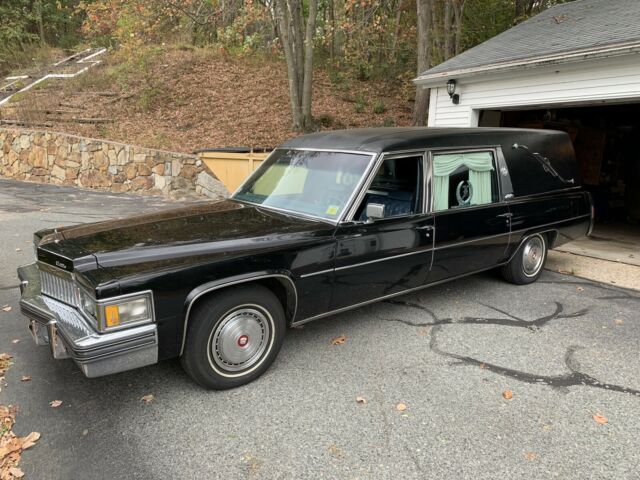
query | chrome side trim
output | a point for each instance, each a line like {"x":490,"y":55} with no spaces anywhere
{"x":377,"y":260}
{"x":560,"y":191}
{"x":451,"y":245}
{"x":403,"y":292}
{"x":218,"y":286}
{"x":552,"y":223}
{"x":313,"y":274}
{"x":513,"y":231}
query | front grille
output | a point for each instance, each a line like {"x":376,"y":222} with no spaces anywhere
{"x":59,"y":287}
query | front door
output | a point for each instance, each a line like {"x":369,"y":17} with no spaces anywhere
{"x":377,"y":257}
{"x":472,"y":222}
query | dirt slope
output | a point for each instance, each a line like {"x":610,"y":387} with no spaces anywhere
{"x":186,"y":99}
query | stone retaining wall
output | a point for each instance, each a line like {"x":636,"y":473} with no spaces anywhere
{"x":58,"y":158}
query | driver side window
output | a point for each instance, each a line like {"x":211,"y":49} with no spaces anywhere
{"x":397,"y":186}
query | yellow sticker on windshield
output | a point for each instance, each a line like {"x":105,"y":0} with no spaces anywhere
{"x":332,"y":209}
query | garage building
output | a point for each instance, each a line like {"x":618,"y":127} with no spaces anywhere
{"x":574,"y":67}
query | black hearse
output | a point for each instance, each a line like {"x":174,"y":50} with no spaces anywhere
{"x":329,"y":222}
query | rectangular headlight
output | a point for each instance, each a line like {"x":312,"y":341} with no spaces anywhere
{"x":125,"y":312}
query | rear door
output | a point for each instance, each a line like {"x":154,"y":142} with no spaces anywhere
{"x":472,"y":219}
{"x":379,"y":257}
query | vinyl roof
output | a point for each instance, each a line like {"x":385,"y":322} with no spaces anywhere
{"x":580,"y":25}
{"x":407,"y":138}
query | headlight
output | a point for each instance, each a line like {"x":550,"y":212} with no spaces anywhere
{"x":88,"y":304}
{"x":131,"y":311}
{"x":120,"y":312}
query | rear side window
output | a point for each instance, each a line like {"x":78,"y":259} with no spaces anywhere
{"x":463,"y":179}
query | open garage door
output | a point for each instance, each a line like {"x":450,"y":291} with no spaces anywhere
{"x":606,"y":139}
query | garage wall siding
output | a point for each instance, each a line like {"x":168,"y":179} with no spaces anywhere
{"x":611,"y":80}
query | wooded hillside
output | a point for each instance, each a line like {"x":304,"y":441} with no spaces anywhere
{"x":191,"y":73}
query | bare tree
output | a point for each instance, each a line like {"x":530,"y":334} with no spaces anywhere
{"x":421,"y":105}
{"x":296,"y":35}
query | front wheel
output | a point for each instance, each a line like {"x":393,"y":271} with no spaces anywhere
{"x":233,"y":337}
{"x":526,"y":265}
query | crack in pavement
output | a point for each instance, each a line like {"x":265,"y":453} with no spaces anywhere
{"x":533,"y":325}
{"x":571,"y":379}
{"x":574,"y":378}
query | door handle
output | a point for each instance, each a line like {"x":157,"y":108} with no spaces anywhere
{"x":505,"y":215}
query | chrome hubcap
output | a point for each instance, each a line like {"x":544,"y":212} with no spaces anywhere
{"x":240,"y":339}
{"x":532,"y":256}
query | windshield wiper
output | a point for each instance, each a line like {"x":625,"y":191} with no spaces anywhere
{"x":544,"y":161}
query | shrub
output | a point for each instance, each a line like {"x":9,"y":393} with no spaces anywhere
{"x":379,"y":107}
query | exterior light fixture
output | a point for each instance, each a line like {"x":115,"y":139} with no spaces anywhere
{"x":451,"y":90}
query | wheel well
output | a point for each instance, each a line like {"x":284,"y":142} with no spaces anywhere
{"x":552,"y":236}
{"x":284,"y":294}
{"x":283,"y":289}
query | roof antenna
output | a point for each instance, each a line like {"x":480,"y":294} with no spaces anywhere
{"x":544,"y":161}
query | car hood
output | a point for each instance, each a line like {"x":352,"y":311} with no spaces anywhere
{"x":222,"y":228}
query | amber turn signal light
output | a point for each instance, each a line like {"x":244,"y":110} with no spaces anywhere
{"x":112,"y":315}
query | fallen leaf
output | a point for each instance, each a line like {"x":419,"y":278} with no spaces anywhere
{"x":16,"y":472}
{"x":26,"y":378}
{"x":361,"y":400}
{"x":482,"y":365}
{"x":30,"y":440}
{"x":148,"y":398}
{"x":530,"y":456}
{"x":15,"y":340}
{"x":619,"y":322}
{"x":580,"y":289}
{"x":507,"y":394}
{"x":401,"y":407}
{"x":6,"y":308}
{"x":18,"y":249}
{"x":338,"y":340}
{"x":55,"y":403}
{"x":601,"y":419}
{"x":423,"y":331}
{"x":335,"y":451}
{"x":85,"y":432}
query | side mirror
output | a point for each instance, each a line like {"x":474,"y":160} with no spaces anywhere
{"x":374,"y":211}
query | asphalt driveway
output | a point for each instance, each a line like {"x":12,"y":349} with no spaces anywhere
{"x":566,"y":348}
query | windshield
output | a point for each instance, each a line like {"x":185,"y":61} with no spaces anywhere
{"x":306,"y":181}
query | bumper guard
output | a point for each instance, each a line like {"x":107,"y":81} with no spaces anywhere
{"x":69,"y":334}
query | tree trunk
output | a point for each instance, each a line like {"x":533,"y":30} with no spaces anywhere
{"x":307,"y":84}
{"x":294,"y":97}
{"x":448,"y":32}
{"x":396,"y":31}
{"x":523,"y":8}
{"x":298,"y":53}
{"x":332,"y":22}
{"x":458,"y":10}
{"x":38,"y":11}
{"x":421,"y":105}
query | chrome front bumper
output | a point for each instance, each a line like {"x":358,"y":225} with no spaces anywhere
{"x":69,"y":334}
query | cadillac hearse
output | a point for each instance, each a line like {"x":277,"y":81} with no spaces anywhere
{"x":329,"y":222}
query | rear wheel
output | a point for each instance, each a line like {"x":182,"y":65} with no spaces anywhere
{"x":233,"y":337}
{"x":527,"y":264}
